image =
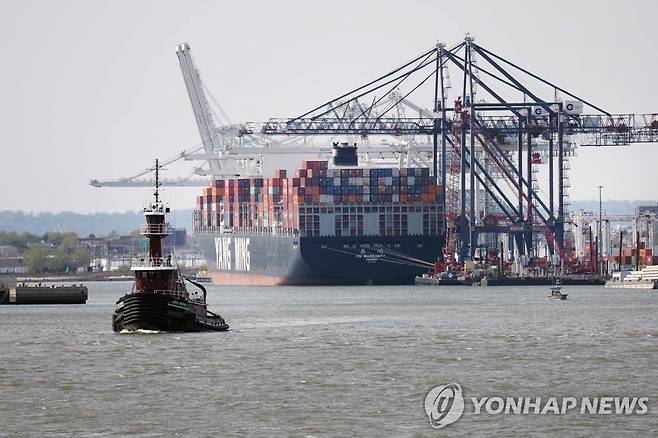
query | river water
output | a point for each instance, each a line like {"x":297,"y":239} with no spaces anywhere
{"x":331,"y":361}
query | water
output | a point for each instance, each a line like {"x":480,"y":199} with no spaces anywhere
{"x":330,"y":361}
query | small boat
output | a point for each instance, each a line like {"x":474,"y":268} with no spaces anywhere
{"x":202,"y":277}
{"x":556,"y":290}
{"x":159,"y":300}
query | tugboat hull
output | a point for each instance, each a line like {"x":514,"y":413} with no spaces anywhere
{"x":158,"y":312}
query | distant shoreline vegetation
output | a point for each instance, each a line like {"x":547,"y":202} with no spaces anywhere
{"x":99,"y":224}
{"x":49,"y":253}
{"x":102,"y":224}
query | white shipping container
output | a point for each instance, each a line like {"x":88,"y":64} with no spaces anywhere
{"x":396,"y":172}
{"x":337,"y":181}
{"x":388,"y":180}
{"x":358,"y":181}
{"x":327,"y":225}
{"x":410,"y":180}
{"x":396,"y":198}
{"x":371,"y":224}
{"x":415,"y":221}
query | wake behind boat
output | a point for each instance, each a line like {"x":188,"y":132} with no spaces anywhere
{"x":159,"y":300}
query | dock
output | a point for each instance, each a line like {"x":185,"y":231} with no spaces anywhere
{"x":579,"y":280}
{"x":26,"y":293}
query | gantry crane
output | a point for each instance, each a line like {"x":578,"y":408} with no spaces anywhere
{"x":483,"y":145}
{"x":493,"y":139}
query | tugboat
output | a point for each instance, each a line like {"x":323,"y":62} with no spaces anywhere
{"x":556,"y":290}
{"x":159,"y":300}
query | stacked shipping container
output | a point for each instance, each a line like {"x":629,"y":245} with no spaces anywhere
{"x":320,"y":201}
{"x":629,"y":256}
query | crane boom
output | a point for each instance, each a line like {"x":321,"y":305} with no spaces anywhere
{"x":596,"y":129}
{"x":200,"y":106}
{"x":164,"y":182}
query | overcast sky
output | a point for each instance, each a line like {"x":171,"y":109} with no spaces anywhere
{"x":93,"y":89}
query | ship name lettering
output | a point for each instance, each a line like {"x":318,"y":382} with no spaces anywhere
{"x":242,"y":254}
{"x":223,"y":251}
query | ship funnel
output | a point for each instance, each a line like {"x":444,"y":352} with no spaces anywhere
{"x":344,"y":154}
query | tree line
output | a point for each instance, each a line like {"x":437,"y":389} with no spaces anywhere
{"x":48,"y":253}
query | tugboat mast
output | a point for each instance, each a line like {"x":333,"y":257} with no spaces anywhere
{"x":157,"y":180}
{"x":156,"y":228}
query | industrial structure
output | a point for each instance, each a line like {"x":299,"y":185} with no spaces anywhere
{"x":497,"y":137}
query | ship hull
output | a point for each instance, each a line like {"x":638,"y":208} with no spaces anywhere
{"x":158,"y":312}
{"x":256,"y":259}
{"x":632,"y":284}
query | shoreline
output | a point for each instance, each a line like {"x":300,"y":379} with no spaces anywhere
{"x":73,"y":278}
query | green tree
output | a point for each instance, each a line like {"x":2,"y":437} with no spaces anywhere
{"x":123,"y":270}
{"x":20,"y":241}
{"x":52,"y":238}
{"x":81,"y":257}
{"x":69,"y":241}
{"x":9,"y":238}
{"x":58,"y":262}
{"x":36,"y":258}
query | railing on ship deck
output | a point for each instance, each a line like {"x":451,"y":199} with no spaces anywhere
{"x":153,"y":262}
{"x":156,"y":229}
{"x":279,"y":231}
{"x":179,"y":294}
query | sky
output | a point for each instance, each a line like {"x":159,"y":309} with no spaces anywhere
{"x":93,"y":89}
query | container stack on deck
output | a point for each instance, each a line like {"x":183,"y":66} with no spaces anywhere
{"x":629,"y":256}
{"x":320,"y":201}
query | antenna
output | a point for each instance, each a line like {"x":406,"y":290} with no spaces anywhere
{"x":157,"y":181}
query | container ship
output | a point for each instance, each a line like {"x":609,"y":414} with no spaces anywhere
{"x":645,"y":278}
{"x":342,"y":224}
